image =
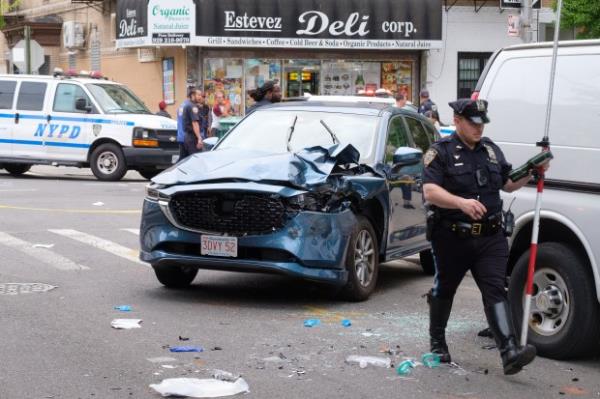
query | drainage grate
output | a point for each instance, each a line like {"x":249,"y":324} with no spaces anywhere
{"x":24,"y":288}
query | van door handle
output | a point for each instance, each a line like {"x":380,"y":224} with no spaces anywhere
{"x":17,"y":117}
{"x":48,"y":118}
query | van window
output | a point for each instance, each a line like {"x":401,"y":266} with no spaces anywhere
{"x":66,"y":96}
{"x":7,"y":93}
{"x":418,"y":133}
{"x":31,"y":96}
{"x":519,"y":94}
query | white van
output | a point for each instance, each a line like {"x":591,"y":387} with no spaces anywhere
{"x":565,"y":311}
{"x":81,"y":121}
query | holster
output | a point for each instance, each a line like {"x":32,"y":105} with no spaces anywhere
{"x":432,"y":218}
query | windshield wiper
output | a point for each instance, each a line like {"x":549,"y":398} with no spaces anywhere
{"x":333,"y":136}
{"x":291,"y":132}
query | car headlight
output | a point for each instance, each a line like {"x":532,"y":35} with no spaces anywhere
{"x":144,"y":137}
{"x":153,"y":192}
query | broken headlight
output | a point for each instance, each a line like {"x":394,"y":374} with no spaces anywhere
{"x":307,"y":202}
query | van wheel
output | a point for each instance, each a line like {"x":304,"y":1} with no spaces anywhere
{"x":172,"y":276}
{"x":16,"y":169}
{"x":108,"y":162}
{"x":565,"y":315}
{"x":427,"y":263}
{"x":149,"y":173}
{"x":362,"y":261}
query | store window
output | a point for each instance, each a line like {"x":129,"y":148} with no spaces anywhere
{"x":470,"y":66}
{"x":257,"y":72}
{"x":225,"y":74}
{"x":397,"y":77}
{"x":301,"y":77}
{"x":343,"y":78}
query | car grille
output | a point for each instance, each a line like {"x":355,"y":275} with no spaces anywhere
{"x":231,"y":213}
{"x":167,"y":139}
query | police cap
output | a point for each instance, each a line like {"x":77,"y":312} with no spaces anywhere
{"x":474,"y":110}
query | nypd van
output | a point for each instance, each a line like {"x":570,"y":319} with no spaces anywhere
{"x":81,"y":120}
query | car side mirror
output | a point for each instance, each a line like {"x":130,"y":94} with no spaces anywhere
{"x":405,"y":156}
{"x":209,"y":143}
{"x":82,"y":105}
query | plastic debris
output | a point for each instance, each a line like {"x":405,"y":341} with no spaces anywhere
{"x":225,"y":375}
{"x":123,"y":308}
{"x":183,"y":338}
{"x":186,"y":349}
{"x":405,"y":367}
{"x":364,"y":361}
{"x":99,"y":203}
{"x":200,"y":388}
{"x":311,"y":322}
{"x":126,"y":324}
{"x":431,"y":360}
{"x":168,"y":366}
{"x":346,"y":323}
{"x":47,"y":246}
{"x":161,"y":359}
{"x":370,"y":334}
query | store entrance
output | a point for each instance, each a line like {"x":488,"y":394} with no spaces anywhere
{"x":301,"y":77}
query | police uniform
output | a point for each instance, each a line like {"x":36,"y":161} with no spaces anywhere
{"x":427,"y":105}
{"x":187,"y":113}
{"x":460,"y":244}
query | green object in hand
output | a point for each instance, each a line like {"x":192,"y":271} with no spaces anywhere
{"x":523,"y":170}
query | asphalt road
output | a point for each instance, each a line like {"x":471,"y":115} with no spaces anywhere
{"x":77,"y":237}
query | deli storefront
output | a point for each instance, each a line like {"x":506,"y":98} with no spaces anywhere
{"x":329,"y":47}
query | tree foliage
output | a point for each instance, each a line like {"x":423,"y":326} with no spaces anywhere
{"x":7,"y":6}
{"x":583,"y":15}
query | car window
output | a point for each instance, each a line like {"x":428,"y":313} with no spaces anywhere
{"x":7,"y":93}
{"x":397,"y":137}
{"x":65,"y":97}
{"x":31,"y":96}
{"x":418,"y":133}
{"x":432,"y":132}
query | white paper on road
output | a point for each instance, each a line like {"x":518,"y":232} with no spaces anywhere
{"x":98,"y":203}
{"x":126,"y":324}
{"x":364,"y":361}
{"x":100,"y":243}
{"x":200,"y":388}
{"x":47,"y":246}
{"x":43,"y":255}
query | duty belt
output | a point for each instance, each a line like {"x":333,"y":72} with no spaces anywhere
{"x":464,"y":229}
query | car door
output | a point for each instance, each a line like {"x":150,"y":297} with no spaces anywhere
{"x":406,"y":209}
{"x":30,"y":121}
{"x":7,"y":117}
{"x":69,"y":128}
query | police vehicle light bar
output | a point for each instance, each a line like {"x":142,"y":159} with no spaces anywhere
{"x":72,"y":73}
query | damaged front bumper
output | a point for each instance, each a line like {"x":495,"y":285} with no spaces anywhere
{"x":311,"y":245}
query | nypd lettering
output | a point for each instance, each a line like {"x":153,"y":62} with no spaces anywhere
{"x":52,"y":130}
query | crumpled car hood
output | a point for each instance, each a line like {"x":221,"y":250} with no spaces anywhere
{"x":304,"y":169}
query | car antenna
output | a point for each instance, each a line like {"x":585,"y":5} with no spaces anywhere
{"x":333,"y":136}
{"x":290,"y":133}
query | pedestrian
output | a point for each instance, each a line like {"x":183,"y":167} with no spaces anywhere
{"x":463,"y":176}
{"x":220,"y":110}
{"x":188,"y":126}
{"x":204,"y":112}
{"x":425,"y":102}
{"x":162,"y":110}
{"x":262,"y":95}
{"x":434,"y":117}
{"x":277,"y":94}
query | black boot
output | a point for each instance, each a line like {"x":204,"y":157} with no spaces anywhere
{"x":439,"y":312}
{"x":514,"y":357}
{"x":486,"y":333}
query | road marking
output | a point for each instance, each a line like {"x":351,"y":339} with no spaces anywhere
{"x":100,"y":243}
{"x":97,"y":211}
{"x":132,"y":231}
{"x":17,"y":190}
{"x":41,"y":254}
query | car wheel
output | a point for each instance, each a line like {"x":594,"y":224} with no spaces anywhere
{"x":427,"y":263}
{"x":175,"y":276}
{"x":149,"y":173}
{"x":16,"y":169}
{"x":108,"y":162}
{"x":565,"y":316}
{"x":362,"y":261}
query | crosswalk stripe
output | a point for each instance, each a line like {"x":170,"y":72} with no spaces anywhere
{"x":132,"y":231}
{"x":43,"y":255}
{"x":100,"y":243}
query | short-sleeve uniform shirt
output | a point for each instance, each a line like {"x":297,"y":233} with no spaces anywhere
{"x":187,"y":113}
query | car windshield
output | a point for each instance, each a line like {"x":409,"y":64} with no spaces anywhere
{"x":268,"y":130}
{"x":117,"y":99}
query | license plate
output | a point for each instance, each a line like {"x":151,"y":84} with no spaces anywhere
{"x":174,"y":158}
{"x":219,"y":246}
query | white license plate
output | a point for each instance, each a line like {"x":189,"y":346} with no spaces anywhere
{"x":219,"y":246}
{"x":174,"y":158}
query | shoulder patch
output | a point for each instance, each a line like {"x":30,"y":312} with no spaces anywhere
{"x":429,"y":156}
{"x":195,"y":110}
{"x":491,"y":153}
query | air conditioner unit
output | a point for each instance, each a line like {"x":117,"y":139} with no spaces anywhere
{"x":73,"y":34}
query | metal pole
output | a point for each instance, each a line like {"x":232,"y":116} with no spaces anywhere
{"x":553,"y":70}
{"x":28,"y":50}
{"x":526,"y":20}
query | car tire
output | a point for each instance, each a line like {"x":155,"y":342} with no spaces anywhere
{"x":362,"y":261}
{"x":566,"y":311}
{"x":149,"y":173}
{"x":108,"y":162}
{"x":427,"y":262}
{"x":16,"y":169}
{"x":175,"y":276}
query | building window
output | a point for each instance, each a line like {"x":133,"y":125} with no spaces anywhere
{"x":470,"y":66}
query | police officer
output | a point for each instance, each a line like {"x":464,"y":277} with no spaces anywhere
{"x":463,"y":176}
{"x":188,"y":126}
{"x":426,"y":103}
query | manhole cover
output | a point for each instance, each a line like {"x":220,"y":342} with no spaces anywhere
{"x":24,"y":288}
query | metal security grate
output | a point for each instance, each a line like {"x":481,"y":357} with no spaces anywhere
{"x":236,"y":214}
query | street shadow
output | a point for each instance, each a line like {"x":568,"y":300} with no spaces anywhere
{"x":67,"y":177}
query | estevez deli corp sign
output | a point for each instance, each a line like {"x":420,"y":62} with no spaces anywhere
{"x":330,"y":24}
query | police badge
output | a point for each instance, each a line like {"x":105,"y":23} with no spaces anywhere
{"x":491,"y":153}
{"x":429,"y":156}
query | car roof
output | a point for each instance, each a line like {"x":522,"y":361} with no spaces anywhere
{"x":58,"y":78}
{"x":352,"y":99}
